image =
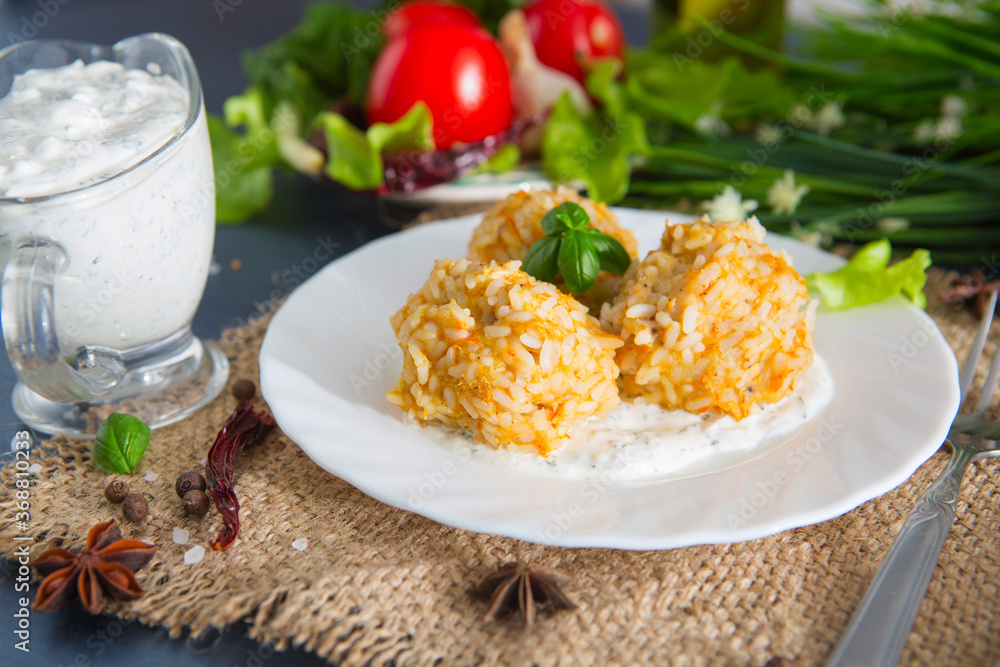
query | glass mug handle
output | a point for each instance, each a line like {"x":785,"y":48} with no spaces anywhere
{"x":27,"y":299}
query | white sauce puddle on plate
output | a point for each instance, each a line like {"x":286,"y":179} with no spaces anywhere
{"x":641,"y":442}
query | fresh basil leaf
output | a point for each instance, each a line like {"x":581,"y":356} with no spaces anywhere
{"x":614,"y":258}
{"x":866,"y":278}
{"x":577,"y":217}
{"x":564,"y":217}
{"x":555,"y":221}
{"x":542,"y":260}
{"x":120,"y":443}
{"x":578,"y":261}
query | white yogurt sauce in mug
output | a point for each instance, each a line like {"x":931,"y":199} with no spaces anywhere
{"x":638,"y":441}
{"x":138,"y":246}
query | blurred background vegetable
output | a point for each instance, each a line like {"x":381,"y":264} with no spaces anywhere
{"x":884,"y":124}
{"x":570,"y":34}
{"x":458,"y":71}
{"x":890,"y":120}
{"x":424,"y":12}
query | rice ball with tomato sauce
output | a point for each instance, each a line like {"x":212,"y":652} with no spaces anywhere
{"x":714,"y":320}
{"x":489,"y":349}
{"x":512,"y":225}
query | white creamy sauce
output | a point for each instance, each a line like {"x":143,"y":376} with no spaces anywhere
{"x":138,"y":244}
{"x":638,"y":441}
{"x":67,"y":127}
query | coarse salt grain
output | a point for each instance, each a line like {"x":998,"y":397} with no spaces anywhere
{"x":300,"y":544}
{"x":180,"y":536}
{"x":194,"y":555}
{"x":150,"y":476}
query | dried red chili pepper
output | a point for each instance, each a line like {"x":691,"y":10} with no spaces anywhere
{"x":243,"y":428}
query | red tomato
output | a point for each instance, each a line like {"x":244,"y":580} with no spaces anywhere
{"x":563,"y":30}
{"x":420,"y":12}
{"x":459,"y":72}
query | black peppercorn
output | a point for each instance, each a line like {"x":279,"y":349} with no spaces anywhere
{"x":116,"y":491}
{"x":244,"y":390}
{"x":196,"y":502}
{"x":135,"y":508}
{"x":188,"y":481}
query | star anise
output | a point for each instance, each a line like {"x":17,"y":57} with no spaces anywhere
{"x":973,"y":289}
{"x":525,"y":587}
{"x":107,"y":565}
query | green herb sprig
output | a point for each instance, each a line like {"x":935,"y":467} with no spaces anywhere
{"x":573,"y":249}
{"x":120,"y":443}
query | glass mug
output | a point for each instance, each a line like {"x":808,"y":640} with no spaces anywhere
{"x":101,"y":282}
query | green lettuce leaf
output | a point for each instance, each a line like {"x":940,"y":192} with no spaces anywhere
{"x":595,"y":149}
{"x":247,"y":110}
{"x":868,"y":278}
{"x":243,"y":185}
{"x":505,"y":159}
{"x":243,"y":162}
{"x":327,"y":57}
{"x":602,"y":84}
{"x":355,"y":157}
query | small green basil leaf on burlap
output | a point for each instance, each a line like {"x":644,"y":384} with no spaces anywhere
{"x":542,"y":261}
{"x":120,"y":443}
{"x":578,"y":261}
{"x":614,"y":258}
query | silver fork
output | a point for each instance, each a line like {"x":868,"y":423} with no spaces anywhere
{"x":880,"y":627}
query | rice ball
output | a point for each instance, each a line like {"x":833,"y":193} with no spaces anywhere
{"x":714,"y":320}
{"x":512,"y":225}
{"x":489,"y":349}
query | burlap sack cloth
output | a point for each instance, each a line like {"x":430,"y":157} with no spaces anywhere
{"x":377,"y":585}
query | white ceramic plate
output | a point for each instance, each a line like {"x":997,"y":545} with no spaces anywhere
{"x":330,"y":356}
